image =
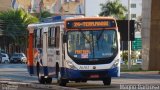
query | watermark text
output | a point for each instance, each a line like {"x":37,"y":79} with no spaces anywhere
{"x":139,"y":87}
{"x":9,"y":87}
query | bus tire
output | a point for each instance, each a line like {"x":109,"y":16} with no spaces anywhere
{"x":84,"y":81}
{"x":77,"y":81}
{"x":107,"y":81}
{"x":60,"y":80}
{"x":48,"y":80}
{"x":41,"y":79}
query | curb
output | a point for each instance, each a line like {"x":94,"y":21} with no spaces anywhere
{"x":144,"y":72}
{"x":34,"y":85}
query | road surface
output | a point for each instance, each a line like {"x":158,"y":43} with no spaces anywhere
{"x":18,"y":73}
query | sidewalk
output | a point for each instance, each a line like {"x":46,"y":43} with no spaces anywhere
{"x":16,"y":84}
{"x":143,"y":72}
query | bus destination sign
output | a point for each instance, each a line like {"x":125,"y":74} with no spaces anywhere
{"x":90,"y":24}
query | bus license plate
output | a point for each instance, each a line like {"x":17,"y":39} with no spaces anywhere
{"x":94,"y":76}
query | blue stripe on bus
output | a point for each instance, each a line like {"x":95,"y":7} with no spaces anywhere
{"x":73,"y":74}
{"x":85,"y":74}
{"x":30,"y":70}
{"x":45,"y":69}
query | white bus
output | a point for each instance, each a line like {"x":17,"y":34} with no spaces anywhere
{"x":76,"y":49}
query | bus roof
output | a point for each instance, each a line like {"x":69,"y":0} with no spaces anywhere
{"x":40,"y":25}
{"x":90,"y":18}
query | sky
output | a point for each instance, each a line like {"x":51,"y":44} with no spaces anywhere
{"x":93,"y":7}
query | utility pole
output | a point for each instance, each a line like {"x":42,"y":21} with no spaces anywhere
{"x":40,"y":7}
{"x":129,"y":42}
{"x":84,"y":7}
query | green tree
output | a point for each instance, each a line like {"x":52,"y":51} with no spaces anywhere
{"x":43,"y":14}
{"x":113,"y":8}
{"x":15,"y":28}
{"x":134,"y":55}
{"x":46,"y":14}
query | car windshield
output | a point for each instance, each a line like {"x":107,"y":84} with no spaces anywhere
{"x":139,"y":60}
{"x":18,"y":55}
{"x":92,"y":44}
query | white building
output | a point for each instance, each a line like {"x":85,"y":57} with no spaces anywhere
{"x":135,"y":9}
{"x":93,"y":7}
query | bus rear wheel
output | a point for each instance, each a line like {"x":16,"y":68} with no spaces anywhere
{"x":48,"y":80}
{"x":41,"y":79}
{"x":107,"y":81}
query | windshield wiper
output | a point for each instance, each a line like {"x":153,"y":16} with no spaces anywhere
{"x":98,"y":37}
{"x":84,"y":36}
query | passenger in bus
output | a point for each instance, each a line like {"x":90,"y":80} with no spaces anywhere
{"x":103,"y":46}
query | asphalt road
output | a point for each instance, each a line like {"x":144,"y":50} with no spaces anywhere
{"x":18,"y":73}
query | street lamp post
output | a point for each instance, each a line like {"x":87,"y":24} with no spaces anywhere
{"x":129,"y":42}
{"x":41,"y":6}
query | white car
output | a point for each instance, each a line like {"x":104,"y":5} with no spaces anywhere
{"x":139,"y":61}
{"x":18,"y":58}
{"x":122,"y":62}
{"x":4,"y":58}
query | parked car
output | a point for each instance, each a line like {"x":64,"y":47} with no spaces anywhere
{"x":4,"y":58}
{"x":122,"y":62}
{"x":18,"y":58}
{"x":139,"y":61}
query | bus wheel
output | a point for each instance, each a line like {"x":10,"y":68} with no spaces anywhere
{"x":48,"y":80}
{"x":60,"y":81}
{"x":41,"y":79}
{"x":77,"y":81}
{"x":84,"y":81}
{"x":107,"y":81}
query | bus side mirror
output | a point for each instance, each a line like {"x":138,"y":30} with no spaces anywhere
{"x":64,"y":38}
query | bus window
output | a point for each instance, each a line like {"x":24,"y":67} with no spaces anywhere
{"x":51,"y":37}
{"x":57,"y":36}
{"x":39,"y":38}
{"x":35,"y":40}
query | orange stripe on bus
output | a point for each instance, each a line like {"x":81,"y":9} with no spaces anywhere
{"x":116,"y":28}
{"x":30,"y":50}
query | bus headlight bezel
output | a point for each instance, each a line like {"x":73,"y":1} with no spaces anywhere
{"x":71,"y":65}
{"x":116,"y":64}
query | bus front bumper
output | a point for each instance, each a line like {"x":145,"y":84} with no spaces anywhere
{"x":89,"y":74}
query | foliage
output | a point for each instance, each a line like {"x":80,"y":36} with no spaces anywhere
{"x":113,"y":8}
{"x":16,"y":22}
{"x":43,"y":14}
{"x":134,"y":55}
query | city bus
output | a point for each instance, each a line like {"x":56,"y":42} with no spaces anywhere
{"x":76,"y":49}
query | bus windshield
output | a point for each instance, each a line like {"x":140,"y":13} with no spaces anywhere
{"x":89,"y":44}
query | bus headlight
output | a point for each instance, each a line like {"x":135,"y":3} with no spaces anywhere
{"x":115,"y":64}
{"x":71,"y":65}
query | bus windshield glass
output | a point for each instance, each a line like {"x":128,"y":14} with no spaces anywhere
{"x":92,"y":44}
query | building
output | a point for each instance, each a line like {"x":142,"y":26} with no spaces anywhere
{"x":150,"y":34}
{"x":93,"y":7}
{"x":73,"y":7}
{"x":5,"y":4}
{"x":53,"y":6}
{"x":135,"y":9}
{"x":87,"y":7}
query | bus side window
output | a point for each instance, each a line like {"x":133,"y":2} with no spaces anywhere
{"x":39,"y":38}
{"x":57,"y":36}
{"x":35,"y":38}
{"x":51,"y":37}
